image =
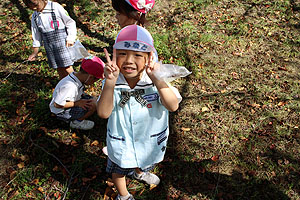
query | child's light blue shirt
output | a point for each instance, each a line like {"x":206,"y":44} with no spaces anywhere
{"x":137,"y":135}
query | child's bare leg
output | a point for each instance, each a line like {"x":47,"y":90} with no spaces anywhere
{"x":120,"y":183}
{"x":64,"y":71}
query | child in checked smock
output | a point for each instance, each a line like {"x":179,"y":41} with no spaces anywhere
{"x":52,"y":27}
{"x":136,"y":104}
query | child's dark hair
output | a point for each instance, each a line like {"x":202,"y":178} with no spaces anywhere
{"x":81,"y":70}
{"x":123,"y":7}
{"x":31,"y":3}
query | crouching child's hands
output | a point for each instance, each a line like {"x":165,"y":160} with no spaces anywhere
{"x":86,"y":104}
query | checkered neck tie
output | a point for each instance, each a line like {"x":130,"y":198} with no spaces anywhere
{"x":136,"y":94}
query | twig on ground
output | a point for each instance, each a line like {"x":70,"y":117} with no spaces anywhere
{"x":49,"y":154}
{"x":68,"y":186}
{"x":58,"y":189}
{"x":85,"y":192}
{"x":25,"y":61}
{"x":219,"y":175}
{"x":71,"y":175}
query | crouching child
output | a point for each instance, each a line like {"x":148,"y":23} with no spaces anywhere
{"x":69,"y":102}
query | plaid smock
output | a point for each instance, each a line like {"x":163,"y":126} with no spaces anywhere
{"x":53,"y":27}
{"x":136,"y":134}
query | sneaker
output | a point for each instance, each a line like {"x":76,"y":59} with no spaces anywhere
{"x":147,"y":177}
{"x":129,"y":198}
{"x":83,"y":125}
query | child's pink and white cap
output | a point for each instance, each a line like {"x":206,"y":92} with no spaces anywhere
{"x":93,"y":66}
{"x":143,"y":6}
{"x":135,"y":38}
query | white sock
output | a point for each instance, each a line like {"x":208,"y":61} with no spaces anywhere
{"x":125,"y":197}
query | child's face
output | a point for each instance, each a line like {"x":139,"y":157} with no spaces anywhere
{"x":131,"y":63}
{"x":90,"y":80}
{"x":124,"y":20}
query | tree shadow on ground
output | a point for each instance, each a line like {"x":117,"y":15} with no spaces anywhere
{"x":193,"y":179}
{"x":57,"y":153}
{"x":72,"y":161}
{"x":86,"y":30}
{"x":25,"y":17}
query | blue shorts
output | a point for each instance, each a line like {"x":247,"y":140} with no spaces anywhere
{"x":114,"y":168}
{"x":73,"y":113}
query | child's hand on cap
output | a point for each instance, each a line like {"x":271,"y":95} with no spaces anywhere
{"x":111,"y":70}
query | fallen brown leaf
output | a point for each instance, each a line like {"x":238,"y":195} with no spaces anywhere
{"x":205,"y":109}
{"x":215,"y":158}
{"x":75,"y":136}
{"x":282,"y":68}
{"x":44,"y":129}
{"x":41,"y":190}
{"x":95,"y":143}
{"x":35,"y":181}
{"x":152,"y":186}
{"x":21,"y":165}
{"x":185,"y":129}
{"x":12,"y":174}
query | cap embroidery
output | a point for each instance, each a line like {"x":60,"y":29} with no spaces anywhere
{"x":135,"y":45}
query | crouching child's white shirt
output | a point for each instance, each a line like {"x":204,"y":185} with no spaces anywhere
{"x":68,"y":89}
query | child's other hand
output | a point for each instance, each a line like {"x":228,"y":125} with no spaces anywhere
{"x":151,"y":66}
{"x":69,"y":43}
{"x":32,"y":57}
{"x":86,"y":104}
{"x":111,"y":70}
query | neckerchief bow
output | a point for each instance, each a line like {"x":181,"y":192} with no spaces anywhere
{"x":136,"y":94}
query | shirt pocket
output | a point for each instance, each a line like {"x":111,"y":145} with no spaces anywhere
{"x":116,"y":144}
{"x":160,"y":139}
{"x":118,"y":138}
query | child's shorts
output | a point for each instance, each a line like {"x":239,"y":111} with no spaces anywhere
{"x":73,"y":113}
{"x":114,"y":168}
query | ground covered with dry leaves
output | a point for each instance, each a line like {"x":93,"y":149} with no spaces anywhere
{"x":235,"y":136}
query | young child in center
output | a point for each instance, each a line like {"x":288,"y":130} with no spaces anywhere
{"x":69,"y":103}
{"x":52,"y":27}
{"x":132,"y":11}
{"x":129,"y":12}
{"x":136,"y":104}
